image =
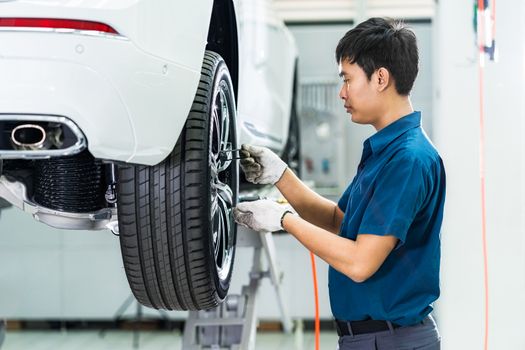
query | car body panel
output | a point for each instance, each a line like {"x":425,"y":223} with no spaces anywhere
{"x":122,"y":109}
{"x":130,"y":94}
{"x":175,"y":31}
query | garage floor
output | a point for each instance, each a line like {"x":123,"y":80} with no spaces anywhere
{"x":120,"y":340}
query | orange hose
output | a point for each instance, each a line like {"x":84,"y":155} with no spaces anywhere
{"x":481,"y":9}
{"x":316,"y":296}
{"x":483,"y":212}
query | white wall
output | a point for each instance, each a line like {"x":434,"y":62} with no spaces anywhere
{"x":456,"y":133}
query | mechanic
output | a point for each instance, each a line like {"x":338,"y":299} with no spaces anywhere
{"x":382,"y":238}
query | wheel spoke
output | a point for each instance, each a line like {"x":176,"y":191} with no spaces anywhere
{"x":215,"y":244}
{"x":222,"y":241}
{"x":225,"y":193}
{"x":224,"y":238}
{"x":215,"y":135}
{"x":214,"y":205}
{"x":225,"y":121}
{"x":218,"y":233}
{"x":224,"y":234}
{"x":214,"y":190}
{"x":225,"y":143}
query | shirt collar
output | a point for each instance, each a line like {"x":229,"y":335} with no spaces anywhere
{"x":385,"y":136}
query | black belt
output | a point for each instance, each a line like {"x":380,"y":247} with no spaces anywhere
{"x":362,"y":327}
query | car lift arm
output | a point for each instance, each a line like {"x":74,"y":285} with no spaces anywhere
{"x":232,"y":325}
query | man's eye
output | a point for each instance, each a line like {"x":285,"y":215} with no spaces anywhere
{"x":345,"y":81}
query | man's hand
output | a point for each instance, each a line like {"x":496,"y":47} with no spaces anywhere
{"x":260,"y":165}
{"x":261,"y":215}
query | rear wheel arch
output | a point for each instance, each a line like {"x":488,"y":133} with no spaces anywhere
{"x":223,"y":37}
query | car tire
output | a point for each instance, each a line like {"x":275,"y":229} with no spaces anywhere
{"x":176,"y":227}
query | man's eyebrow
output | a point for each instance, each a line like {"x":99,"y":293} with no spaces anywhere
{"x":342,"y":74}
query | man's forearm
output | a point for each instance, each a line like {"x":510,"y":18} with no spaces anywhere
{"x":311,"y":206}
{"x":339,"y":252}
{"x":358,"y":259}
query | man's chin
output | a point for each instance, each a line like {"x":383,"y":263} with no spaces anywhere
{"x":355,"y":118}
{"x":359,"y":121}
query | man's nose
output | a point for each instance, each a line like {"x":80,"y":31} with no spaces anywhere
{"x":342,"y":93}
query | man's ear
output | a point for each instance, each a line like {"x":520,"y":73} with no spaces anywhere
{"x":383,"y":79}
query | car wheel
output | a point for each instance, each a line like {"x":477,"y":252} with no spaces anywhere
{"x":176,"y":227}
{"x":292,"y":150}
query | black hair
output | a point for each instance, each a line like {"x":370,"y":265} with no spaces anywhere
{"x":380,"y":42}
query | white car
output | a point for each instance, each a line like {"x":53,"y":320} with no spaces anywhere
{"x":127,"y":114}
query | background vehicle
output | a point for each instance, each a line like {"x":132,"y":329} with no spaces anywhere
{"x":102,"y":118}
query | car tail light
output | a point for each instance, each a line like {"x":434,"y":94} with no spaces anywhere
{"x":57,"y":23}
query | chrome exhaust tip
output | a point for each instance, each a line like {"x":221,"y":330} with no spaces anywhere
{"x":39,"y":137}
{"x":28,"y":137}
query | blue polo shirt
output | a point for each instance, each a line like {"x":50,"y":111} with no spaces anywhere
{"x":399,"y":190}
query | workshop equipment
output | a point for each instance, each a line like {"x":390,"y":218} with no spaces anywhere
{"x":232,"y":325}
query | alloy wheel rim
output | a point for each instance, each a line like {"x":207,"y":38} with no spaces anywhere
{"x":222,"y":197}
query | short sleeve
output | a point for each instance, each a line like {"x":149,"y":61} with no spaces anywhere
{"x":398,"y":195}
{"x":343,"y":201}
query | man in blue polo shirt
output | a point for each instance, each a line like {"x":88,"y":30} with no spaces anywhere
{"x":382,"y":239}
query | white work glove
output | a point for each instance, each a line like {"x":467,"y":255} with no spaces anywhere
{"x":260,"y":165}
{"x":261,"y":215}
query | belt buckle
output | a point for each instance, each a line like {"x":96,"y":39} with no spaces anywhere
{"x":343,"y":328}
{"x":349,"y":326}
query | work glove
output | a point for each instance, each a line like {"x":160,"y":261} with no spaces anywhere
{"x":261,"y":215}
{"x":260,"y":165}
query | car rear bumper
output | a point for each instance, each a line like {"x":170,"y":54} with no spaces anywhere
{"x":130,"y":105}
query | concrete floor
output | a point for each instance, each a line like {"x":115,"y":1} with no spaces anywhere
{"x":149,"y":340}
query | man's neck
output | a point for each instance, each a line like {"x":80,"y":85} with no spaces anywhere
{"x":396,"y":109}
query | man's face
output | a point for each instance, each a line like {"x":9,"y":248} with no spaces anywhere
{"x":358,"y":93}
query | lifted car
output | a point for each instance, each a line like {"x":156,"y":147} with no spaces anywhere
{"x":125,"y":115}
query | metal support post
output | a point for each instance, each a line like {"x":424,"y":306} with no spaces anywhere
{"x":233,"y":324}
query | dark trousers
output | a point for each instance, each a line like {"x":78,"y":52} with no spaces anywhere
{"x":423,"y":336}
